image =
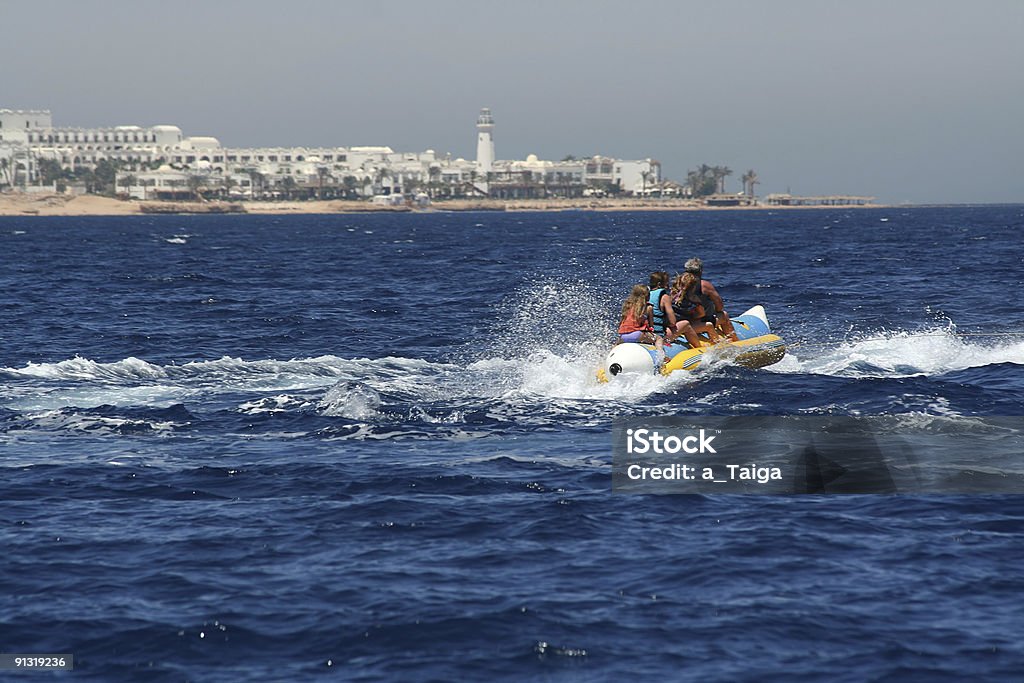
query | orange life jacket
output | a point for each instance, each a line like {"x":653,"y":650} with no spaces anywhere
{"x":631,"y":324}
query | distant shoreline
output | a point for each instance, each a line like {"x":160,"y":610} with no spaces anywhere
{"x":19,"y":204}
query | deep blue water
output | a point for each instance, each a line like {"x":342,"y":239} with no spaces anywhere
{"x":371,"y":447}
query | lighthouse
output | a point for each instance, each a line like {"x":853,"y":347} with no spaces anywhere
{"x":484,"y":143}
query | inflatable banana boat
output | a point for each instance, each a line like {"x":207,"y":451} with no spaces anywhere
{"x":756,"y":348}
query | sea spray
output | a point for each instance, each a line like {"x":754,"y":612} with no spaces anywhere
{"x":352,"y":401}
{"x":928,"y":352}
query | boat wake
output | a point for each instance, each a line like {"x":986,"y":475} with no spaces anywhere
{"x":931,"y":353}
{"x":539,"y":374}
{"x":502,"y":387}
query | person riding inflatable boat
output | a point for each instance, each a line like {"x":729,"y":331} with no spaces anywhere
{"x":756,"y":346}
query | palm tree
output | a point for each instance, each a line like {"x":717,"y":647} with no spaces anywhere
{"x":719,"y":173}
{"x":87,"y":176}
{"x":381,"y":175}
{"x":434,"y":173}
{"x":127,"y":182}
{"x":350,"y":183}
{"x":195,"y":184}
{"x":289,"y":186}
{"x":5,"y":170}
{"x":703,"y":181}
{"x":693,"y":182}
{"x":749,"y":180}
{"x":48,"y":171}
{"x":644,"y":177}
{"x":321,"y":173}
{"x":104,"y":174}
{"x":255,"y":180}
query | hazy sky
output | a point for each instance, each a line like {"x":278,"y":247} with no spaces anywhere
{"x":906,"y":100}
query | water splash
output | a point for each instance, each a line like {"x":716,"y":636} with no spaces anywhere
{"x":78,"y":368}
{"x":901,"y":354}
{"x":553,"y":378}
{"x":352,"y":401}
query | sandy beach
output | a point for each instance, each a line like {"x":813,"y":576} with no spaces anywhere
{"x":19,"y":204}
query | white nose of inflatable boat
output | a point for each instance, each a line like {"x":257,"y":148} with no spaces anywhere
{"x":628,"y":358}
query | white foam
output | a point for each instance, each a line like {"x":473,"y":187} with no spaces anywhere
{"x":79,"y":368}
{"x":84,"y":383}
{"x":556,"y":377}
{"x":272,"y":404}
{"x":901,"y":354}
{"x":354,"y":401}
{"x":92,"y":396}
{"x":545,"y":375}
{"x":98,"y":424}
{"x":321,"y":370}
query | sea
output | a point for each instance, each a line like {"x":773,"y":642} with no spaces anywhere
{"x":371,"y":447}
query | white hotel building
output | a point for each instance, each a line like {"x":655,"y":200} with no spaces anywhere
{"x":161,"y":161}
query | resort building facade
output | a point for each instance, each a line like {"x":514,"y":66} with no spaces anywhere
{"x":161,"y":162}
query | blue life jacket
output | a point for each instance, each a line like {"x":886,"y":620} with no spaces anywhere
{"x":659,"y":315}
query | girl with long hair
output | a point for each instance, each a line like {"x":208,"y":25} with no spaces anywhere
{"x":635,"y":323}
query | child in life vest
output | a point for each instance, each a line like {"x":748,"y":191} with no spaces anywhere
{"x":635,"y":323}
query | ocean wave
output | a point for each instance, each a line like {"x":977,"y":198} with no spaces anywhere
{"x":546,"y":382}
{"x":901,"y":354}
{"x":82,"y":369}
{"x":282,"y":403}
{"x":134,"y":370}
{"x":354,"y":401}
{"x":96,"y":423}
